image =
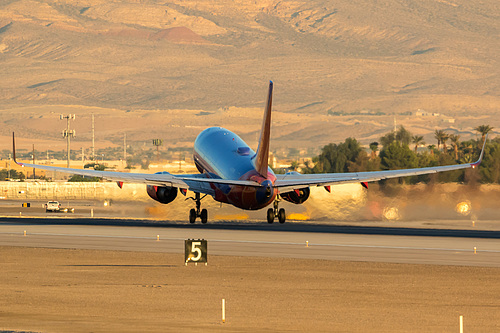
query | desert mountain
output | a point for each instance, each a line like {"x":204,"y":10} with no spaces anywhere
{"x":167,"y":69}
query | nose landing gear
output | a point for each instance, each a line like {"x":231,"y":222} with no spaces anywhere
{"x":202,"y":214}
{"x":275,"y":212}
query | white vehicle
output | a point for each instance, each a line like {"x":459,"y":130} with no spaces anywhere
{"x":52,"y":206}
{"x":55,"y":207}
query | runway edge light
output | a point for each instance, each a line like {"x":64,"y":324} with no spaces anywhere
{"x":223,"y":310}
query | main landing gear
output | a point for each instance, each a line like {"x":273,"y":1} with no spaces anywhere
{"x":194,"y":213}
{"x":275,"y":212}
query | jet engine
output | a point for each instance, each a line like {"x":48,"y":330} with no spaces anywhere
{"x":162,"y":194}
{"x":297,"y":196}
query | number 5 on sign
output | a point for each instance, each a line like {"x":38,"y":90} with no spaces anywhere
{"x":195,"y":250}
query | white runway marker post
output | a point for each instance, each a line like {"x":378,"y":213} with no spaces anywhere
{"x":461,"y":324}
{"x":223,"y":310}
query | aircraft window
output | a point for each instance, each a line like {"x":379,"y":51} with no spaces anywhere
{"x":243,"y":151}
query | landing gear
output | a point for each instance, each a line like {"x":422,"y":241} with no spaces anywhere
{"x":270,"y":215}
{"x":192,"y":216}
{"x":281,"y":216}
{"x":275,"y":212}
{"x":204,"y":216}
{"x":198,"y":212}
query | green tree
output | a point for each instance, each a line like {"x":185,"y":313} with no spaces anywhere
{"x":426,"y":159}
{"x":437,"y":136}
{"x":445,"y":138}
{"x":95,"y":166}
{"x":455,"y":141}
{"x":403,"y":135}
{"x":490,"y":166}
{"x":398,"y":156}
{"x":336,"y":158}
{"x":440,"y":136}
{"x":294,"y":166}
{"x":449,"y":176}
{"x":417,"y":140}
{"x":374,"y":149}
{"x":483,"y":129}
{"x":79,"y":178}
{"x":4,"y":174}
{"x":432,"y":149}
{"x":387,"y":139}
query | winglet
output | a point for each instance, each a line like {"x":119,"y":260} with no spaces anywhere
{"x":262,"y":155}
{"x":475,"y":164}
{"x":14,"y":150}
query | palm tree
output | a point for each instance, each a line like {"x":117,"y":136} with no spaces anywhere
{"x":431,"y":149}
{"x":454,"y":138}
{"x":294,"y":166}
{"x":417,"y":140}
{"x":445,"y":138}
{"x":483,"y":129}
{"x":441,"y":137}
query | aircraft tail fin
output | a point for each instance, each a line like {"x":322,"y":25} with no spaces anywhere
{"x":14,"y":150}
{"x":262,"y":155}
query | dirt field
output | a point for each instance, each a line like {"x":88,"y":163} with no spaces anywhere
{"x":52,"y":290}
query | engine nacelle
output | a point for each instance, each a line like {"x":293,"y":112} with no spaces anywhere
{"x":162,"y":194}
{"x":297,"y":198}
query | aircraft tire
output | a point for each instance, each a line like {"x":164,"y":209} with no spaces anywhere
{"x":204,"y":216}
{"x":281,"y":216}
{"x":192,"y":216}
{"x":270,"y":215}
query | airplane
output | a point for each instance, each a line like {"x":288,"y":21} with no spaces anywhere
{"x":231,"y":172}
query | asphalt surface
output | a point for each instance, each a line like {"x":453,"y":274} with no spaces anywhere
{"x":296,"y":240}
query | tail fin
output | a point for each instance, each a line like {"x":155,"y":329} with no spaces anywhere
{"x":262,"y":155}
{"x":14,"y":149}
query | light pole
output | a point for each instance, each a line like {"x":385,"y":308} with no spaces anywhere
{"x":67,"y":133}
{"x":157,"y":143}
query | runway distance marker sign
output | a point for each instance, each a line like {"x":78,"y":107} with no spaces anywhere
{"x":195,"y":250}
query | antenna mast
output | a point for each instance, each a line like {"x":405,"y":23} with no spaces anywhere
{"x":67,"y":133}
{"x":93,"y":139}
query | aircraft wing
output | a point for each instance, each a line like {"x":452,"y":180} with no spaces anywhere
{"x":165,"y":179}
{"x":194,"y":182}
{"x":294,"y":180}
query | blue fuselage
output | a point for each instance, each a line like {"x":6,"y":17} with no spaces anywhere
{"x":219,"y":153}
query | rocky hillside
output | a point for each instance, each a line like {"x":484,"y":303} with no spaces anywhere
{"x":325,"y":57}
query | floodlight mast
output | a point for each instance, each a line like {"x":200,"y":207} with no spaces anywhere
{"x":67,"y":133}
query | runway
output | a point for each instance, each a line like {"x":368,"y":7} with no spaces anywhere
{"x":418,"y":246}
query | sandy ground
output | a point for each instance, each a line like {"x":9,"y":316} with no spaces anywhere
{"x":53,"y":290}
